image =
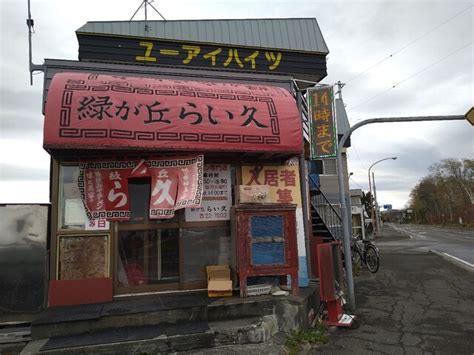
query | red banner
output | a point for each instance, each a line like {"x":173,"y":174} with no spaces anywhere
{"x":92,"y":111}
{"x":175,"y":183}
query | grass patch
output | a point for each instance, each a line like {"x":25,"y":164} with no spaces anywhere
{"x":300,"y":339}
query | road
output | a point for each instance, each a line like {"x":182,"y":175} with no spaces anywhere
{"x":417,"y":303}
{"x":454,"y":243}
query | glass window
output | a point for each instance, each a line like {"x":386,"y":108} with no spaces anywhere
{"x":268,"y":240}
{"x":139,"y":190}
{"x":318,"y":166}
{"x":202,"y":247}
{"x":329,"y":167}
{"x":71,"y":211}
{"x":148,"y":257}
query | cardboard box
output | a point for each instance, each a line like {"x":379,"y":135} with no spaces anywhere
{"x":219,"y":283}
{"x":254,"y":193}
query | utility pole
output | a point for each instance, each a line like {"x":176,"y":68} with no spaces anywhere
{"x":373,"y":199}
{"x":340,"y":85}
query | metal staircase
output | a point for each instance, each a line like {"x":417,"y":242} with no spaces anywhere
{"x":325,"y":220}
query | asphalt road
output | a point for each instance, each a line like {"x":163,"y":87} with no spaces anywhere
{"x":456,"y":244}
{"x":417,"y":303}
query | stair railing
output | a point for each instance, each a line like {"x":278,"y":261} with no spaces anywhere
{"x":304,"y":113}
{"x":326,"y":211}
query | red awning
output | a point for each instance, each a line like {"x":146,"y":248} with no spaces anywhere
{"x":95,"y":111}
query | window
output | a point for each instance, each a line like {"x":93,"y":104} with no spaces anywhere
{"x":268,"y":240}
{"x":71,"y":214}
{"x":326,"y":166}
{"x":148,"y":250}
{"x":148,"y":257}
{"x":201,"y":247}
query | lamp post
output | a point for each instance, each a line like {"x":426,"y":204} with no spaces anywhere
{"x":345,"y":208}
{"x":375,"y":224}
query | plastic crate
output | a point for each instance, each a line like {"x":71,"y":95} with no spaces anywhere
{"x":257,"y":290}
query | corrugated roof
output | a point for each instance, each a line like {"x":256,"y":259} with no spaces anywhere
{"x":297,"y":34}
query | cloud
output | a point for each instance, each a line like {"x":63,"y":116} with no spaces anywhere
{"x":10,"y":172}
{"x":24,"y":191}
{"x":358,"y":34}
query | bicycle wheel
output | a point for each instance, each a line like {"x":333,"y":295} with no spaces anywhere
{"x":372,"y":259}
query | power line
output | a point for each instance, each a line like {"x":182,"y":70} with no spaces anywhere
{"x":355,"y":182}
{"x":411,"y":76}
{"x":408,"y":45}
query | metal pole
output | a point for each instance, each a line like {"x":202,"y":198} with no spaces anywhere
{"x":31,"y":67}
{"x":373,"y":200}
{"x":146,"y":17}
{"x":346,"y":242}
{"x":29,"y":23}
{"x":304,"y":194}
{"x":340,"y":85}
{"x":377,"y":217}
{"x":346,"y":239}
{"x":371,"y":205}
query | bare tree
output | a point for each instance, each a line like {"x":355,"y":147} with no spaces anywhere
{"x":446,"y":195}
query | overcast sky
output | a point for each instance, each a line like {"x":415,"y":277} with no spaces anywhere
{"x":404,"y":58}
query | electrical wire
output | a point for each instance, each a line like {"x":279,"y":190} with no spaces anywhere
{"x":408,"y":45}
{"x":411,"y":76}
{"x":355,"y":182}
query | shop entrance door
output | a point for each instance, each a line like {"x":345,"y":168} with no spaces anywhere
{"x":148,"y":260}
{"x":147,"y":251}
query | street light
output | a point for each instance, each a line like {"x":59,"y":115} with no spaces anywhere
{"x":375,"y":224}
{"x":345,"y":207}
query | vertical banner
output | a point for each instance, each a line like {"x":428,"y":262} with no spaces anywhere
{"x":104,"y":189}
{"x":284,"y":181}
{"x":322,"y":123}
{"x":175,"y":183}
{"x":216,"y":196}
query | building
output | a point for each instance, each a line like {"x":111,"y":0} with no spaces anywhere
{"x":176,"y":145}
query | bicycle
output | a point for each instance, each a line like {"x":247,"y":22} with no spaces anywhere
{"x":368,"y":255}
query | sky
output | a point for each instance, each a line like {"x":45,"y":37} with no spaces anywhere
{"x":397,"y":58}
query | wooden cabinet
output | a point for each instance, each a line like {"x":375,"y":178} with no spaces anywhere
{"x":265,"y":243}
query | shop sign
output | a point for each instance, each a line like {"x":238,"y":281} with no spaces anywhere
{"x":216,"y":196}
{"x":95,"y":111}
{"x":97,"y":224}
{"x":175,"y":183}
{"x":322,"y":123}
{"x":283,"y":181}
{"x":153,"y":52}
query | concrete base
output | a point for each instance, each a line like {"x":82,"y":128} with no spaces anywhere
{"x":226,"y":321}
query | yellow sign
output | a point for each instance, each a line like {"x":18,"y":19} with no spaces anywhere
{"x":470,"y":115}
{"x":284,"y":181}
{"x":242,"y":58}
{"x":322,"y":123}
